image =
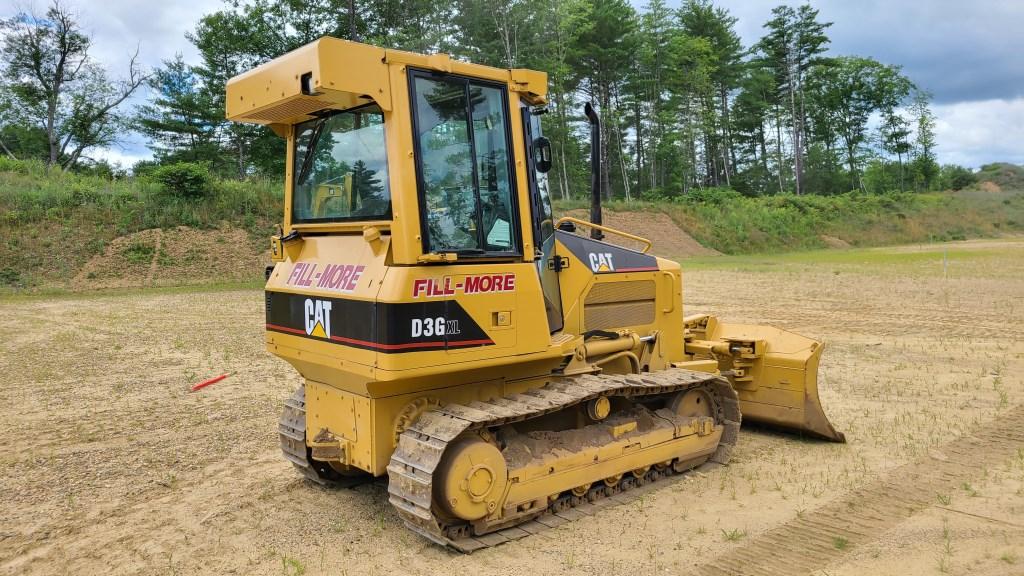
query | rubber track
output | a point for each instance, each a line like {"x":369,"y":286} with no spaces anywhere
{"x":806,"y":544}
{"x":421,"y":447}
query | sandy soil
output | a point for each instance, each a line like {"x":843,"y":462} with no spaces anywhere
{"x":108,"y":465}
{"x":989,"y":186}
{"x":174,"y":256}
{"x":833,"y":242}
{"x":667,"y":239}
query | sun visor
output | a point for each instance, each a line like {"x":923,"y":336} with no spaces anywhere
{"x":327,"y":73}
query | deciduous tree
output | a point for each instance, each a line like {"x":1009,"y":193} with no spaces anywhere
{"x":57,"y":87}
{"x":791,"y":48}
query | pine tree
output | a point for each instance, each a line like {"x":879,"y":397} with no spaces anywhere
{"x":925,"y":165}
{"x":795,"y":39}
{"x":682,"y":103}
{"x":701,"y":19}
{"x":647,"y":85}
{"x":181,"y":121}
{"x":603,"y":53}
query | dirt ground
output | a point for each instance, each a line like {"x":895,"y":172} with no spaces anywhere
{"x":109,"y":465}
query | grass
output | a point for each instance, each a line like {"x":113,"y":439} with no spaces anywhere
{"x":53,"y":222}
{"x":734,"y":535}
{"x":139,"y":252}
{"x":292,"y":567}
{"x":734,"y":224}
{"x":969,"y":489}
{"x":50,"y":293}
{"x":840,"y":543}
{"x":29,"y":194}
{"x":926,"y":260}
{"x":947,"y":548}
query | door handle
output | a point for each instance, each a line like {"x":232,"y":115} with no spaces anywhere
{"x":671,"y":292}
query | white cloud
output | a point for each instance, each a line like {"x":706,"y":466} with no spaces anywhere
{"x":158,"y":29}
{"x":976,"y":133}
{"x":959,"y":50}
{"x":967,"y":53}
{"x":118,"y":157}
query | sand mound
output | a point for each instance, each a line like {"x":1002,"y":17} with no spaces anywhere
{"x":989,"y":186}
{"x":669,"y":240}
{"x":180,"y":255}
{"x":833,"y":242}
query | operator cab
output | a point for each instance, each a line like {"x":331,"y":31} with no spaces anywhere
{"x":420,"y":149}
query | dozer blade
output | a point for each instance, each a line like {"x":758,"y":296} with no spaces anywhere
{"x":774,"y":372}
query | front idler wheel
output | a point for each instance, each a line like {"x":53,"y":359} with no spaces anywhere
{"x":471,"y":479}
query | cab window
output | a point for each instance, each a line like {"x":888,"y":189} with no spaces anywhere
{"x":463,"y":165}
{"x":340,"y":172}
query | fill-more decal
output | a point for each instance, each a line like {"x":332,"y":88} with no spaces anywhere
{"x":336,"y":277}
{"x":470,"y":284}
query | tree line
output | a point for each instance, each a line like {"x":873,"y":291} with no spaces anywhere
{"x":685,"y":104}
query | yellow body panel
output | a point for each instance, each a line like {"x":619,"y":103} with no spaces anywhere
{"x":343,"y":75}
{"x":523,"y":354}
{"x":774,"y":372}
{"x":383,"y":330}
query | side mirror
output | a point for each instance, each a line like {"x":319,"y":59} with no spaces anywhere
{"x":542,"y":154}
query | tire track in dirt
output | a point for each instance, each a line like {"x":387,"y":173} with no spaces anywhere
{"x":821,"y":537}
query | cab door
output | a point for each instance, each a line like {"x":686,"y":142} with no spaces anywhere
{"x":548,"y":264}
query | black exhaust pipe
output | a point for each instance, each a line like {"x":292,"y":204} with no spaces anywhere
{"x":595,"y":170}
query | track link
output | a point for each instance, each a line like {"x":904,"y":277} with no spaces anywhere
{"x":292,"y":431}
{"x":421,"y":446}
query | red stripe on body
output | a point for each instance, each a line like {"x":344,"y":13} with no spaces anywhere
{"x":643,"y":269}
{"x":387,"y":346}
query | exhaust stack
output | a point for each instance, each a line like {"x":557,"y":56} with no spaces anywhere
{"x":595,"y":170}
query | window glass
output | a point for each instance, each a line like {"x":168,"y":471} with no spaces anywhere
{"x":446,"y":162}
{"x":492,"y":166}
{"x":464,"y":166}
{"x":543,"y":225}
{"x":547,"y":224}
{"x":341,"y":169}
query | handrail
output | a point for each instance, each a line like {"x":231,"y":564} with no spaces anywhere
{"x":606,"y":229}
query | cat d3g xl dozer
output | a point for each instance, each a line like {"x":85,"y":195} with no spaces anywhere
{"x":499,"y":367}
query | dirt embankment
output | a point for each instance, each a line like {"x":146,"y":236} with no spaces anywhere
{"x":989,"y":186}
{"x":668,"y":240}
{"x":185,"y":255}
{"x":179,"y":255}
{"x":182,"y":255}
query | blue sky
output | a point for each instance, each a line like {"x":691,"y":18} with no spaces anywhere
{"x":969,"y":54}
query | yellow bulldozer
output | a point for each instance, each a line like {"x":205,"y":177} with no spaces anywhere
{"x":501,"y":367}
